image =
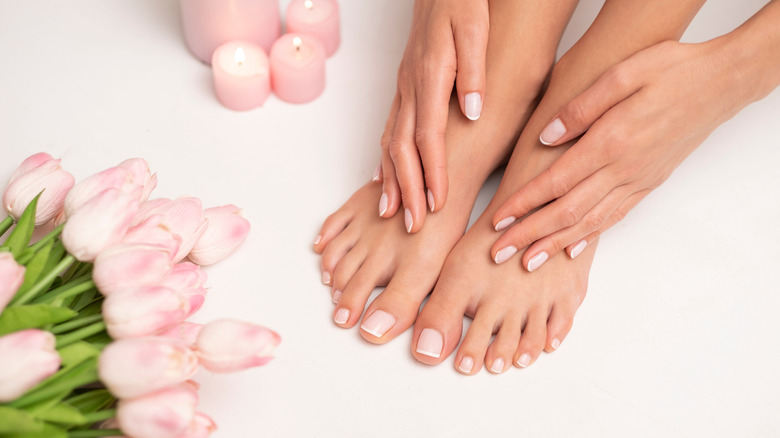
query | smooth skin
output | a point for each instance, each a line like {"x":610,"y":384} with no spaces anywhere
{"x":640,"y":120}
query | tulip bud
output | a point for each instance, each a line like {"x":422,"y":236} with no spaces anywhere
{"x":99,"y":223}
{"x":143,"y":311}
{"x":227,"y":230}
{"x":185,"y":276}
{"x":183,"y":216}
{"x":130,"y":265}
{"x":111,"y":178}
{"x":168,"y":413}
{"x":151,"y":231}
{"x":133,"y":367}
{"x":26,"y":358}
{"x":202,"y":426}
{"x":141,"y":175}
{"x":227,"y":345}
{"x":185,"y":331}
{"x":38,"y":173}
{"x":11,"y":277}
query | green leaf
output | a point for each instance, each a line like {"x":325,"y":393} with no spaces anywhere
{"x":34,"y":269}
{"x":20,"y":236}
{"x":45,"y":405}
{"x":48,"y":431}
{"x":63,"y":413}
{"x":76,"y":353}
{"x":67,"y":378}
{"x":17,"y":318}
{"x":91,"y":401}
{"x":16,"y":420}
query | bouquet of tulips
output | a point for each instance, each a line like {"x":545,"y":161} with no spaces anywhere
{"x":93,"y":333}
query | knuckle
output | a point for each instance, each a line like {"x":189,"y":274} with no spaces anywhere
{"x":574,"y":114}
{"x":593,"y":221}
{"x":570,"y":215}
{"x":559,"y":184}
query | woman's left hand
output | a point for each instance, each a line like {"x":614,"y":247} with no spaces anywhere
{"x":643,"y":118}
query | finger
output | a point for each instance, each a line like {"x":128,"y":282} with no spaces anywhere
{"x":562,"y":213}
{"x":406,"y":160}
{"x":574,"y":118}
{"x":391,"y":193}
{"x":471,"y":38}
{"x":618,"y":215}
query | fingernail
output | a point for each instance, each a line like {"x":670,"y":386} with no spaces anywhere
{"x":466,"y":365}
{"x":577,"y":249}
{"x":430,"y":343}
{"x":431,"y":201}
{"x":409,"y":220}
{"x":473,"y":104}
{"x":336,"y":296}
{"x":376,"y":172}
{"x":325,"y":278}
{"x":378,"y":323}
{"x":341,"y":316}
{"x":552,"y":132}
{"x":317,"y":239}
{"x":505,"y":222}
{"x":383,"y":204}
{"x":503,"y":254}
{"x":524,"y":360}
{"x":498,"y":366}
{"x":536,"y":261}
{"x":555,"y":343}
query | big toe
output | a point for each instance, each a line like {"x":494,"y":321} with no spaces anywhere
{"x":438,"y":327}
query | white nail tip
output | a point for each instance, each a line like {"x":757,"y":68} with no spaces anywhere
{"x":341,"y":316}
{"x":472,"y":103}
{"x":466,"y":365}
{"x":431,"y":201}
{"x":503,"y":223}
{"x":504,"y":254}
{"x":317,"y":239}
{"x":383,"y":204}
{"x":536,"y":261}
{"x":555,"y":343}
{"x":409,"y":220}
{"x":577,"y":249}
{"x":524,"y":360}
{"x":498,"y":366}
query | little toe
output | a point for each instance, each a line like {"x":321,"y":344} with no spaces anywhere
{"x":558,"y":326}
{"x":333,"y":253}
{"x":331,"y":228}
{"x":532,"y":339}
{"x":501,"y":351}
{"x":476,"y":342}
{"x":353,"y":297}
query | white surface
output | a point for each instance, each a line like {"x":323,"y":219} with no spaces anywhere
{"x":676,"y":338}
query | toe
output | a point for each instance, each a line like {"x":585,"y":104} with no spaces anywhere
{"x":532,"y":340}
{"x":356,"y":292}
{"x":345,"y":270}
{"x":558,"y":326}
{"x":333,"y":253}
{"x":476,"y":341}
{"x":501,"y":351}
{"x":332,"y":227}
{"x":438,"y":327}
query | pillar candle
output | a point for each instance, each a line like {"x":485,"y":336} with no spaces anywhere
{"x":318,"y":18}
{"x":241,"y":75}
{"x":211,"y":23}
{"x":297,"y":68}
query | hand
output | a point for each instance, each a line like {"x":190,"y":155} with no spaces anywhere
{"x":447,"y":36}
{"x":643,"y":117}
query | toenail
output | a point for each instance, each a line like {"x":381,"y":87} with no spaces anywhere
{"x":524,"y":360}
{"x":577,"y":249}
{"x":378,"y":323}
{"x":383,"y":204}
{"x":466,"y":365}
{"x":503,"y":254}
{"x":336,"y":296}
{"x":430,"y":343}
{"x":341,"y":316}
{"x":498,"y":366}
{"x":378,"y":169}
{"x":317,"y":239}
{"x":503,"y":223}
{"x":536,"y":261}
{"x":325,"y":278}
{"x":555,"y":343}
{"x":431,"y":201}
{"x":409,"y":220}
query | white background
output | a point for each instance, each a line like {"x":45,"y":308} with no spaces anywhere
{"x":676,"y":338}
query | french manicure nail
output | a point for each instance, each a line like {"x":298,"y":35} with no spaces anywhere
{"x":376,"y":173}
{"x":430,"y":343}
{"x":341,"y":316}
{"x":498,"y":366}
{"x":552,"y":132}
{"x":383,"y":204}
{"x":466,"y":365}
{"x":378,"y":323}
{"x":473,"y":104}
{"x":431,"y":201}
{"x":524,"y":360}
{"x":503,"y":254}
{"x":536,"y":261}
{"x":577,"y":249}
{"x":408,"y":220}
{"x":555,"y":343}
{"x":505,"y":222}
{"x":317,"y":239}
{"x":325,"y":278}
{"x":336,"y":296}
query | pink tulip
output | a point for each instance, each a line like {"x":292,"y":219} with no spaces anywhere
{"x":37,"y":173}
{"x":11,"y":277}
{"x":143,"y":311}
{"x":183,"y":216}
{"x":201,"y":427}
{"x":111,"y":178}
{"x":185,"y":331}
{"x":185,"y":276}
{"x":227,"y":345}
{"x":141,"y":175}
{"x":133,"y":367}
{"x":227,"y":230}
{"x":26,"y":358}
{"x":168,"y":413}
{"x":99,"y":223}
{"x":195,"y":299}
{"x":151,"y":231}
{"x":130,"y":265}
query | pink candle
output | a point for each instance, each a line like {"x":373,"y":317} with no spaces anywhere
{"x":210,"y":23}
{"x":297,"y":68}
{"x":241,"y":76}
{"x":318,"y":18}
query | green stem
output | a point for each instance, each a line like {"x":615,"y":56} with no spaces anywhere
{"x":6,"y":224}
{"x":100,"y":415}
{"x":67,"y":290}
{"x":89,"y":433}
{"x":92,"y":329}
{"x":53,"y":234}
{"x":75,"y":323}
{"x":65,"y":380}
{"x":45,"y":281}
